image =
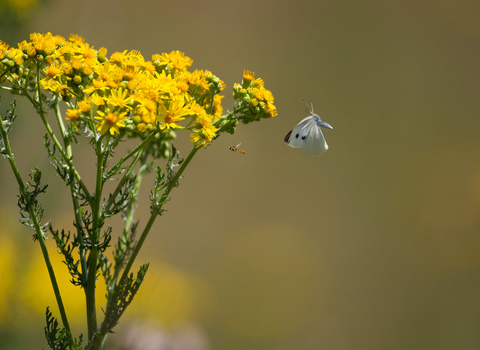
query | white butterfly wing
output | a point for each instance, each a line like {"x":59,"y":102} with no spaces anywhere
{"x":315,"y":143}
{"x":298,"y":135}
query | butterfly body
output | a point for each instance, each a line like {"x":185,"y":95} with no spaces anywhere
{"x":308,"y":135}
{"x":236,"y":149}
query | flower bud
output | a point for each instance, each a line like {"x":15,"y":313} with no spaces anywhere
{"x":170,"y":135}
{"x":166,"y":153}
{"x":101,"y":54}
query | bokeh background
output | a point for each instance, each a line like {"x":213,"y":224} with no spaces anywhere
{"x":373,"y":245}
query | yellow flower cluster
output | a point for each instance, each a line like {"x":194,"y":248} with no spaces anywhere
{"x":254,"y":97}
{"x":126,"y":93}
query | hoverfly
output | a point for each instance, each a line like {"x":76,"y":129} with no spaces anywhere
{"x":236,"y":149}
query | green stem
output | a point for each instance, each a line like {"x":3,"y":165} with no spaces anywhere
{"x":139,"y":150}
{"x":76,"y":205}
{"x":131,"y":205}
{"x":126,"y":228}
{"x":129,"y":218}
{"x":155,"y":213}
{"x":144,"y":235}
{"x":38,"y":230}
{"x":93,"y":257}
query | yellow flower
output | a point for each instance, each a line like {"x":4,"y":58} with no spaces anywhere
{"x":16,"y":56}
{"x":98,"y":100}
{"x":27,"y":48}
{"x":118,"y":57}
{"x":131,"y":73}
{"x":142,"y":127}
{"x":37,"y":41}
{"x":149,"y":67}
{"x":198,"y":110}
{"x":204,"y":135}
{"x":91,"y":62}
{"x":52,"y":85}
{"x":3,"y":49}
{"x":45,"y":43}
{"x":76,"y":39}
{"x":67,"y":68}
{"x":73,"y":115}
{"x":258,"y":83}
{"x":102,"y":54}
{"x":85,"y":105}
{"x":119,"y":98}
{"x":174,"y":113}
{"x":87,"y":52}
{"x":77,"y":63}
{"x":155,"y":87}
{"x":272,"y":110}
{"x":98,"y":84}
{"x":53,"y":71}
{"x":111,"y":121}
{"x":176,"y":60}
{"x":214,"y":81}
{"x":183,"y":87}
{"x":147,"y":109}
{"x":252,"y":93}
{"x":268,"y":96}
{"x":217,"y":107}
{"x":133,"y":59}
{"x":132,"y":84}
{"x":108,"y":71}
{"x":197,"y":81}
{"x":248,"y":77}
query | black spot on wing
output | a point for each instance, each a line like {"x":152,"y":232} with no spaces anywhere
{"x":287,"y":138}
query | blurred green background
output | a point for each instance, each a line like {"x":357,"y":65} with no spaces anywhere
{"x":373,"y":245}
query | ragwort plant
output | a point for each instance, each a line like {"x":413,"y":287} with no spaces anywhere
{"x":107,"y":100}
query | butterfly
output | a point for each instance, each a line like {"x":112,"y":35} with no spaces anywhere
{"x":235,"y":149}
{"x":307,"y":134}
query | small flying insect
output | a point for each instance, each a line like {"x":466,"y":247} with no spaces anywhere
{"x":236,"y":149}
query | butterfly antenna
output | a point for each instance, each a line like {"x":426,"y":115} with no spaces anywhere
{"x":310,"y":108}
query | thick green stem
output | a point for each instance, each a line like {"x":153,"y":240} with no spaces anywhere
{"x":93,"y":257}
{"x":147,"y":229}
{"x":38,"y":230}
{"x":126,"y":228}
{"x":129,"y":218}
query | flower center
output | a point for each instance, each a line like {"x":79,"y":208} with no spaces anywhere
{"x":169,"y":118}
{"x":183,"y":86}
{"x":111,"y":119}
